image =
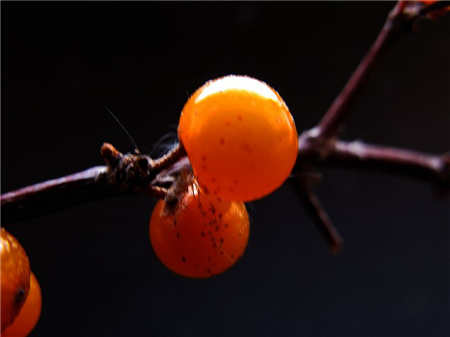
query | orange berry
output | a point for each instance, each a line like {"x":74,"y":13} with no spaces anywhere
{"x":240,"y":138}
{"x":29,"y":314}
{"x":15,"y":278}
{"x":199,"y":236}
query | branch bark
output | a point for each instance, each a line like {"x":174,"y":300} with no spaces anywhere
{"x":330,"y":125}
{"x":54,"y":195}
{"x":131,"y":174}
{"x":127,"y":177}
{"x":357,"y":155}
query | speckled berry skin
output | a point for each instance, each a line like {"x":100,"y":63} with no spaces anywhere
{"x":240,"y":138}
{"x":200,"y":236}
{"x":29,"y":315}
{"x":15,"y":278}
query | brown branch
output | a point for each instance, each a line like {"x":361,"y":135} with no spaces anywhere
{"x":357,"y":155}
{"x":54,"y":195}
{"x":434,"y":169}
{"x":404,"y":15}
{"x":139,"y":174}
{"x":320,"y":145}
{"x":125,"y":174}
{"x":331,"y":123}
{"x":302,"y":186}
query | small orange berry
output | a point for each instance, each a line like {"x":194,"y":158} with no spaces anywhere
{"x":200,"y":236}
{"x":15,"y":278}
{"x":29,"y":314}
{"x":240,"y":138}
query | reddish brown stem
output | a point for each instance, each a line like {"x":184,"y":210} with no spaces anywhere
{"x":54,"y":195}
{"x":431,"y":168}
{"x":101,"y":182}
{"x":124,"y":174}
{"x":331,"y":123}
{"x":302,"y":186}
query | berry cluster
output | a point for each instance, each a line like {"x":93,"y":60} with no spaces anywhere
{"x":242,"y":144}
{"x":21,"y":299}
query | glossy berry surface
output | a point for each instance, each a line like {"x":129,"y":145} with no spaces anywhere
{"x":15,"y":277}
{"x":200,"y":236}
{"x":28,"y":316}
{"x":240,"y":138}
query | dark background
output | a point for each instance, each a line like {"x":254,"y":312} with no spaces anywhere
{"x":62,"y":62}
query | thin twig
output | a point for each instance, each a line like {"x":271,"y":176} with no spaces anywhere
{"x":302,"y":186}
{"x":54,"y":195}
{"x":331,"y":123}
{"x":431,"y":168}
{"x":125,"y":174}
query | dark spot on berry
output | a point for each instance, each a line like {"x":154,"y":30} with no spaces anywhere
{"x":203,"y":157}
{"x":239,"y":118}
{"x":220,"y":215}
{"x":202,"y":234}
{"x":20,"y":295}
{"x":208,"y":271}
{"x":213,"y":209}
{"x":222,"y":240}
{"x":222,"y":141}
{"x":183,"y":259}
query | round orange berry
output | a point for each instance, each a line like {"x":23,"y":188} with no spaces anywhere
{"x":240,"y":138}
{"x":199,"y":236}
{"x":28,"y":316}
{"x":15,"y":277}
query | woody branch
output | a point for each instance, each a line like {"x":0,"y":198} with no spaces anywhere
{"x":131,"y":174}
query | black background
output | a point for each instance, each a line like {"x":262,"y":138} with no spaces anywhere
{"x":62,"y":62}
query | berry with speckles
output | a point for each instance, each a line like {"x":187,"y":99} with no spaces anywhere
{"x":240,"y":138}
{"x":15,"y":278}
{"x":199,"y":235}
{"x":28,"y":316}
